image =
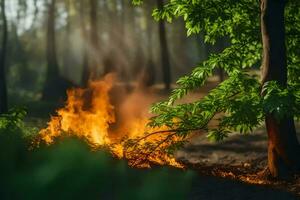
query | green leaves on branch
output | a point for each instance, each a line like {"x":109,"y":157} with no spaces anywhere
{"x":13,"y":119}
{"x":137,"y":2}
{"x":279,"y":101}
{"x":13,"y":122}
{"x":235,"y":105}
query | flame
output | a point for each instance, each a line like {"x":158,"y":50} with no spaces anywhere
{"x":89,"y":114}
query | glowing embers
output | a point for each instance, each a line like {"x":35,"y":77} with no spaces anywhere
{"x":89,"y":114}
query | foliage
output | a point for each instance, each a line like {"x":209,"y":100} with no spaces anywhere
{"x":236,"y":103}
{"x":13,"y":121}
{"x":70,"y":170}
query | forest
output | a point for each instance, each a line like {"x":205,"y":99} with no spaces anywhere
{"x":149,"y":99}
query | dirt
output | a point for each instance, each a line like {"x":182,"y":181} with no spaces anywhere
{"x":213,"y":188}
{"x":231,"y":169}
{"x":236,"y":150}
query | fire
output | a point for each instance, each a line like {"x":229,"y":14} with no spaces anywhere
{"x":89,"y":114}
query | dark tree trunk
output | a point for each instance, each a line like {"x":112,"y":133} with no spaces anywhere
{"x":3,"y":89}
{"x":203,"y":48}
{"x":220,"y":47}
{"x":52,"y":73}
{"x":55,"y":86}
{"x":85,"y":64}
{"x":52,"y":70}
{"x":147,"y":78}
{"x":122,"y":52}
{"x":166,"y":69}
{"x":67,"y":62}
{"x":283,"y":146}
{"x":91,"y":46}
{"x":94,"y":41}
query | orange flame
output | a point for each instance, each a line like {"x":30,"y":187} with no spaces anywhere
{"x":88,"y":114}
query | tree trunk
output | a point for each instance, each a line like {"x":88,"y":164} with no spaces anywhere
{"x":91,"y":50}
{"x":52,"y":73}
{"x":166,"y":69}
{"x":85,"y":64}
{"x":67,"y":60}
{"x":220,"y":47}
{"x":3,"y":89}
{"x":283,"y":146}
{"x":52,"y":70}
{"x":147,"y":78}
{"x":94,"y":41}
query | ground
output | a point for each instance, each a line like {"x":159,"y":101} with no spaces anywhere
{"x":230,"y":169}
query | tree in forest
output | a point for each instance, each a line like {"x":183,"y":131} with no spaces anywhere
{"x":94,"y":39}
{"x":3,"y":89}
{"x":165,"y":60}
{"x":91,"y":59}
{"x":241,"y":102}
{"x":52,"y":73}
{"x":67,"y":62}
{"x":84,"y":36}
{"x":147,"y":74}
{"x":55,"y":85}
{"x":283,"y":149}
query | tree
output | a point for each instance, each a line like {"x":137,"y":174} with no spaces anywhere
{"x":92,"y":48}
{"x":55,"y":85}
{"x":283,"y":147}
{"x":165,"y":60}
{"x":147,"y":78}
{"x":67,"y":62}
{"x":52,"y":73}
{"x":238,"y":100}
{"x":85,"y":64}
{"x":94,"y":40}
{"x":3,"y":89}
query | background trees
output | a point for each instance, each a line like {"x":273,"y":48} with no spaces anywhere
{"x":3,"y":89}
{"x":120,"y":30}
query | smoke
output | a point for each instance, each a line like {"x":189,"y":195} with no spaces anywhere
{"x":132,"y":103}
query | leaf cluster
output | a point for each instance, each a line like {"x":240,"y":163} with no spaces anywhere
{"x":235,"y":105}
{"x":13,"y":121}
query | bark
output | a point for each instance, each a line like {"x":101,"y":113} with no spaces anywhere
{"x":148,"y":73}
{"x":52,"y":73}
{"x":220,"y":47}
{"x":3,"y":89}
{"x":67,"y":69}
{"x":94,"y":41}
{"x":52,"y":68}
{"x":166,"y":69}
{"x":203,"y":48}
{"x":85,"y":67}
{"x":283,"y":146}
{"x":91,"y":43}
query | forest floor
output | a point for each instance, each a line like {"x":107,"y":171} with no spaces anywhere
{"x":232,"y":167}
{"x":227,"y":170}
{"x":239,"y":159}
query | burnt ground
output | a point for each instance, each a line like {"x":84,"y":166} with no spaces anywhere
{"x":231,"y":169}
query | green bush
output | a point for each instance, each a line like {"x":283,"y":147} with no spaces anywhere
{"x":70,"y":170}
